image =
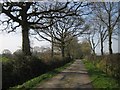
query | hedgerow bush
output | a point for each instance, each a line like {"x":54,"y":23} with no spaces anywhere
{"x":7,"y":74}
{"x":22,"y":68}
{"x":109,"y":64}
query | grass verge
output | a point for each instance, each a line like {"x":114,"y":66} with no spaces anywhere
{"x":35,"y":81}
{"x":100,"y":79}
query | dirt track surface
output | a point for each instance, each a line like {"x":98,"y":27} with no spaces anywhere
{"x":74,"y":76}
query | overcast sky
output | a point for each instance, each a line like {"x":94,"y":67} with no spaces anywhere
{"x":13,"y":41}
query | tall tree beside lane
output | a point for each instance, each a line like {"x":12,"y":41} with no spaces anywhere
{"x":33,"y":15}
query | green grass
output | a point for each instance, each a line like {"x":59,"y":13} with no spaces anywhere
{"x":100,"y":79}
{"x":35,"y":81}
{"x":0,"y":59}
{"x":4,"y":59}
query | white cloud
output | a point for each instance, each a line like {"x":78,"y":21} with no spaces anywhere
{"x":10,"y":41}
{"x":13,"y":41}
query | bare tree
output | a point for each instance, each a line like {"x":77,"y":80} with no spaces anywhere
{"x":93,"y":41}
{"x":33,"y":15}
{"x":102,"y":33}
{"x":107,"y":12}
{"x":63,"y":31}
{"x":65,"y":28}
{"x":91,"y":35}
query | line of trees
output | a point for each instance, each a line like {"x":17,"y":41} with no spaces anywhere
{"x":60,"y":22}
{"x":105,"y":17}
{"x":42,"y":17}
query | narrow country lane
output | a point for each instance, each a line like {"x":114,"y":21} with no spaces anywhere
{"x":74,"y":76}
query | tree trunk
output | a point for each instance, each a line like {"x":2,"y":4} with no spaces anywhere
{"x":110,"y":45}
{"x":102,"y":50}
{"x":110,"y":40}
{"x":110,"y":34}
{"x":25,"y":41}
{"x":94,"y":53}
{"x":62,"y":50}
{"x":52,"y":47}
{"x":102,"y":53}
{"x":25,"y":33}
